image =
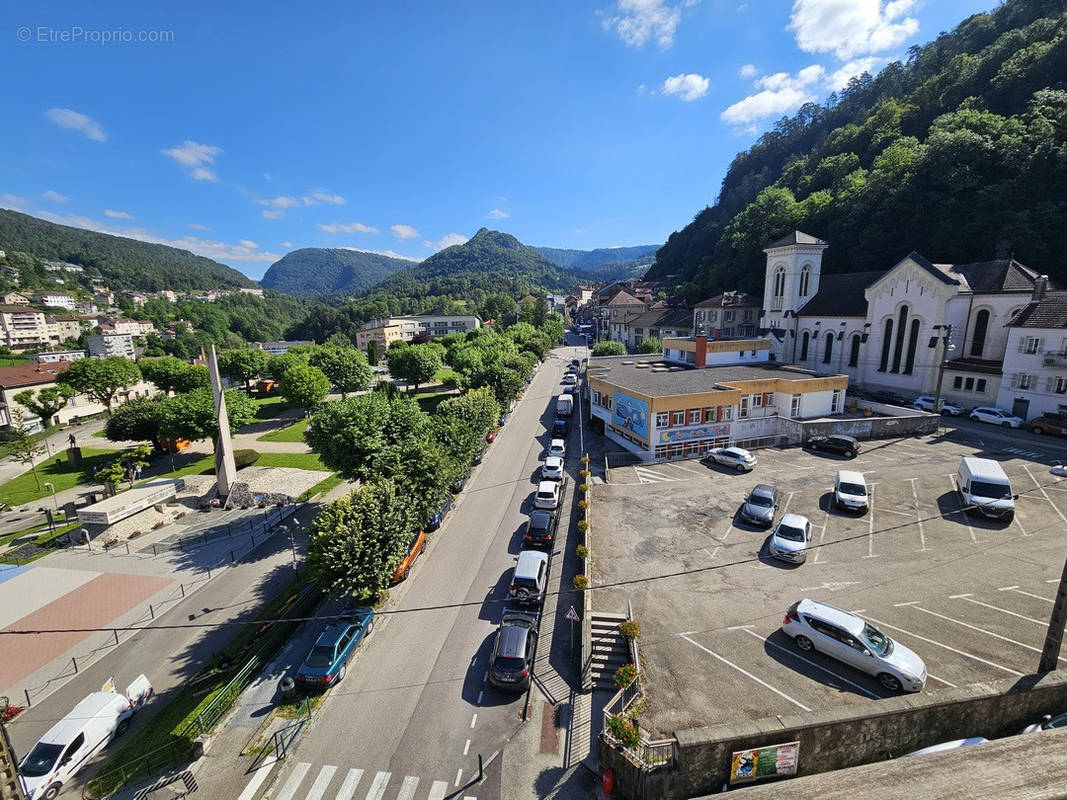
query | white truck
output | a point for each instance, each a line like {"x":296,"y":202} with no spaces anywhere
{"x":564,"y":405}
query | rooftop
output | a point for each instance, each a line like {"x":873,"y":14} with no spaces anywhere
{"x":840,"y":295}
{"x":653,"y":377}
{"x":1048,"y":312}
{"x":796,"y":237}
{"x":31,"y":374}
{"x":732,"y":299}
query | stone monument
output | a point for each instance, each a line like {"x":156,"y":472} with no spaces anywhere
{"x":225,"y":471}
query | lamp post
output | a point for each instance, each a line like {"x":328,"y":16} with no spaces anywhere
{"x":942,"y":335}
{"x":292,"y":542}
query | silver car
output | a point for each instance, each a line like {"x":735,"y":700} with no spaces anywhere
{"x":789,"y":539}
{"x":843,"y":636}
{"x":761,"y":505}
{"x":735,"y":457}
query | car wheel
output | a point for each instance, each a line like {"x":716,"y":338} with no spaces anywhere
{"x":740,"y":467}
{"x":803,"y":643}
{"x":974,"y":418}
{"x":122,"y":728}
{"x":945,"y":413}
{"x":851,"y":453}
{"x":1005,"y":424}
{"x":1036,"y":430}
{"x":523,"y":595}
{"x":52,"y":791}
{"x":341,"y":674}
{"x":890,"y":682}
{"x":370,"y":627}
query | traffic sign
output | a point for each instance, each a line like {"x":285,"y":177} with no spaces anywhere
{"x":572,"y":615}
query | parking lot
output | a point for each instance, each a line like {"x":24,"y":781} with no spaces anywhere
{"x":972,"y":597}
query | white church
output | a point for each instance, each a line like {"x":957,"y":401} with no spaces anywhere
{"x":889,"y":330}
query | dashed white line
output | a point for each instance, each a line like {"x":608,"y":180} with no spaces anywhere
{"x":474,"y":720}
{"x":810,"y":663}
{"x":870,"y":531}
{"x":970,"y":599}
{"x":748,"y":674}
{"x":945,"y":646}
{"x":1017,"y":590}
{"x":459,"y":776}
{"x":467,"y":747}
{"x":480,"y":695}
{"x":962,"y":513}
{"x":918,"y":514}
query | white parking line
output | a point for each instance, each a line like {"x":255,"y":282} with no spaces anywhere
{"x":918,"y":515}
{"x":980,"y":630}
{"x":945,"y":646}
{"x":970,"y":599}
{"x":810,"y":663}
{"x":1041,"y":488}
{"x":870,"y":530}
{"x":822,"y":534}
{"x":962,"y":514}
{"x":687,"y":469}
{"x":745,"y":672}
{"x":788,"y":500}
{"x":1017,"y":590}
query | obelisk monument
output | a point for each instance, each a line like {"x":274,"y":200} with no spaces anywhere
{"x":224,"y":466}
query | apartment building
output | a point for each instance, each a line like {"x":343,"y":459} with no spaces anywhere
{"x":55,"y":300}
{"x":389,"y":329}
{"x":108,"y":345}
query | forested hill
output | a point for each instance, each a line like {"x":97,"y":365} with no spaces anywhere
{"x":122,"y":263}
{"x":603,"y":263}
{"x":959,"y":154}
{"x":313,"y":271}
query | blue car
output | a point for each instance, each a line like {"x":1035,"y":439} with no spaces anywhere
{"x":438,"y":518}
{"x":327,"y":662}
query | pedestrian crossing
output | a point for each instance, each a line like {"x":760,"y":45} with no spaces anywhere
{"x":333,"y":783}
{"x":646,"y":475}
{"x":1032,"y":455}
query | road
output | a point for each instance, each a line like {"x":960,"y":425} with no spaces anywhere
{"x":415,"y":711}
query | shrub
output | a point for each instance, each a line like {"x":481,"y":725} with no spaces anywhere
{"x":581,"y":582}
{"x":582,"y":551}
{"x":245,"y":458}
{"x":624,"y":730}
{"x":583,"y":526}
{"x":625,"y":675}
{"x":584,"y":459}
{"x":133,"y":534}
{"x":583,"y":504}
{"x":630,"y":629}
{"x":583,"y":487}
{"x":584,"y":473}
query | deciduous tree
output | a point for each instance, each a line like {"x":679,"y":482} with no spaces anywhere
{"x":345,"y":367}
{"x":609,"y":349}
{"x":305,"y":386}
{"x":243,"y":364}
{"x":136,"y":420}
{"x":100,"y":378}
{"x":45,"y":403}
{"x":192,"y":415}
{"x":416,"y":364}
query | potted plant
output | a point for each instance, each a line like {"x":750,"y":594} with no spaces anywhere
{"x":582,"y":552}
{"x":584,"y":473}
{"x":625,"y":675}
{"x":583,"y":527}
{"x":630,"y":629}
{"x":583,"y":508}
{"x":624,"y":730}
{"x":583,"y":487}
{"x":581,"y":583}
{"x":584,"y":460}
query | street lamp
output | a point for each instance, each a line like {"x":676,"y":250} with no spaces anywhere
{"x":943,"y":336}
{"x":292,"y":543}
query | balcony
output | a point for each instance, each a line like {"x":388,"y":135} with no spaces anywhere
{"x":1056,"y":359}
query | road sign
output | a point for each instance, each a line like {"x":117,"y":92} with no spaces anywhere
{"x":572,"y":615}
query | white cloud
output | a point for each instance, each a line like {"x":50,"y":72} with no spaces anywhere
{"x":76,"y":121}
{"x":273,"y":213}
{"x":347,"y":227}
{"x":497,"y":213}
{"x":195,"y":155}
{"x":281,"y":202}
{"x":639,"y":21}
{"x":54,"y":196}
{"x":197,"y":227}
{"x":687,"y":86}
{"x":287,"y":244}
{"x":850,"y":28}
{"x":323,"y":197}
{"x":446,"y":241}
{"x":249,"y":244}
{"x":114,"y":214}
{"x":13,"y":201}
{"x":781,"y":93}
{"x":402,"y":232}
{"x":390,"y":253}
{"x":748,"y":71}
{"x":203,"y":174}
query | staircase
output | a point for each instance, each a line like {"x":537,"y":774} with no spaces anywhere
{"x":610,"y":650}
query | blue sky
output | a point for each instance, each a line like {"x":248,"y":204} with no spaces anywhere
{"x":242,"y":130}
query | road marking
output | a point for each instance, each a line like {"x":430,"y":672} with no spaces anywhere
{"x":796,"y":655}
{"x":831,"y":586}
{"x":459,"y":776}
{"x":474,"y":720}
{"x":788,"y":500}
{"x":257,"y":780}
{"x":981,"y":630}
{"x":870,"y":530}
{"x":377,"y":787}
{"x":909,"y":603}
{"x":407,"y":788}
{"x":480,"y":694}
{"x":945,"y":646}
{"x":485,"y":677}
{"x":686,"y":469}
{"x":646,"y":475}
{"x":291,"y":785}
{"x":348,"y":788}
{"x":467,"y":747}
{"x":970,"y":599}
{"x":437,"y":790}
{"x":731,"y":628}
{"x":1017,"y":590}
{"x":822,"y":533}
{"x":918,"y":514}
{"x":748,"y":674}
{"x":941,"y":680}
{"x":322,"y":780}
{"x":1044,"y":493}
{"x":962,"y":513}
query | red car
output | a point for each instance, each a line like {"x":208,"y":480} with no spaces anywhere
{"x":489,"y":437}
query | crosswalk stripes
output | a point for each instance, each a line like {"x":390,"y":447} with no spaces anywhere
{"x":348,"y":788}
{"x":377,"y":789}
{"x":1030,"y":454}
{"x":651,"y":476}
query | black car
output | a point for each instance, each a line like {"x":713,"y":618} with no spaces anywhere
{"x":459,"y":483}
{"x":576,"y":362}
{"x":480,"y":454}
{"x":540,"y":530}
{"x":845,"y":445}
{"x":560,"y":428}
{"x":513,"y":652}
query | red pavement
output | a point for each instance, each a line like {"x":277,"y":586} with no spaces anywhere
{"x":92,"y":605}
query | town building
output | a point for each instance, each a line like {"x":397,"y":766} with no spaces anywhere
{"x":676,"y":322}
{"x":1035,"y":361}
{"x":167,"y":295}
{"x":85,"y":307}
{"x":390,"y":329}
{"x":109,"y":345}
{"x":280,"y":348}
{"x":134,"y":327}
{"x":246,"y":290}
{"x":728,"y":314}
{"x":55,"y":300}
{"x":23,"y":327}
{"x":616,"y":311}
{"x":138,"y":299}
{"x":700,"y":351}
{"x":11,"y":272}
{"x":63,"y":266}
{"x":63,"y":326}
{"x":55,"y":356}
{"x":14,"y":299}
{"x":104,"y":298}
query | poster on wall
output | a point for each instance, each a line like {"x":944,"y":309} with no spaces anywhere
{"x":774,"y":761}
{"x":631,"y":414}
{"x":672,"y":435}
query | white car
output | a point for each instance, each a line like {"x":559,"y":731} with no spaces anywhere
{"x":955,"y":744}
{"x":850,"y":491}
{"x":733,"y":457}
{"x":547,"y":495}
{"x":558,"y":448}
{"x":1047,"y":723}
{"x":925,"y":402}
{"x":995,"y":416}
{"x":552,"y":469}
{"x":569,"y":379}
{"x":843,"y":636}
{"x":789,"y":539}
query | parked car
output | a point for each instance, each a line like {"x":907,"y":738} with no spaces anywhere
{"x":491,"y":436}
{"x":435,"y":521}
{"x":503,"y":419}
{"x":529,"y":579}
{"x":1047,"y":723}
{"x":569,"y":379}
{"x":761,"y":505}
{"x":850,"y":491}
{"x":1049,"y":423}
{"x":459,"y":483}
{"x":547,"y":495}
{"x":733,"y":457}
{"x":845,"y":445}
{"x":327,"y":663}
{"x":557,"y":447}
{"x":418,"y":544}
{"x":995,"y":416}
{"x":568,"y":390}
{"x":480,"y":453}
{"x":560,"y":428}
{"x":540,"y":529}
{"x":576,"y":362}
{"x":513,"y":651}
{"x":925,"y":402}
{"x":552,"y":469}
{"x":789,"y":539}
{"x":953,"y":745}
{"x":851,"y":639}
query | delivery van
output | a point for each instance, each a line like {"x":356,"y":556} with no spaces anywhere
{"x":984,"y":488}
{"x":74,"y":740}
{"x":564,"y":405}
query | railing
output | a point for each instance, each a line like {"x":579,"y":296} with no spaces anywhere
{"x":283,"y":739}
{"x":222,"y":702}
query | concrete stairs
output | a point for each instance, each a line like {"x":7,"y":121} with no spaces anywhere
{"x":610,"y":650}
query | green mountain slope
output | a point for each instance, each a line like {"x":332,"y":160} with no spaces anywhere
{"x":959,"y":154}
{"x":611,"y":262}
{"x":123,"y":263}
{"x":313,"y":271}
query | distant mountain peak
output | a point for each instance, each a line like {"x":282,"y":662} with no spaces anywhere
{"x":311,"y":271}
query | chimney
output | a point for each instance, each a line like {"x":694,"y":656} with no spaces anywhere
{"x":700,"y":357}
{"x":1040,"y":287}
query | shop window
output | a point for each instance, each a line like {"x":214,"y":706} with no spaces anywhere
{"x":662,"y":419}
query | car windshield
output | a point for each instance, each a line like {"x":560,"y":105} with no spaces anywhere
{"x":320,"y":657}
{"x":854,"y":489}
{"x":878,"y":642}
{"x":790,"y":533}
{"x":993,"y":491}
{"x":760,"y":500}
{"x":1056,"y":722}
{"x":40,"y":760}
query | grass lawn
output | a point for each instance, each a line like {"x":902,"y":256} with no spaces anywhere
{"x":7,"y":538}
{"x":429,"y":401}
{"x":58,"y":471}
{"x":443,"y":374}
{"x":294,"y":433}
{"x":13,"y":362}
{"x":322,"y":487}
{"x":295,"y":460}
{"x":270,"y":406}
{"x":101,"y":434}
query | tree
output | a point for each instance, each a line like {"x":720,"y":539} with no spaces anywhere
{"x":278,"y":365}
{"x":22,"y":446}
{"x":416,"y":364}
{"x":170,"y":374}
{"x":192,"y":415}
{"x":421,"y":468}
{"x":357,"y":541}
{"x":305,"y":386}
{"x":649,"y":345}
{"x":346,"y":368}
{"x":609,"y":349}
{"x":45,"y":403}
{"x":100,"y":378}
{"x":340,"y":340}
{"x":243,"y":364}
{"x":136,"y":420}
{"x":348,"y":434}
{"x":372,"y":353}
{"x":502,"y":381}
{"x":478,"y":409}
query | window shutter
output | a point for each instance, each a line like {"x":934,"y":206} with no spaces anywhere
{"x":767,"y":398}
{"x":1040,"y":345}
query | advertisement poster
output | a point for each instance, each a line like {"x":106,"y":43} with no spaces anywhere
{"x":631,"y":414}
{"x":672,"y":435}
{"x":777,"y":760}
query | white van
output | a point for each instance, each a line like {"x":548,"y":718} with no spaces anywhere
{"x":71,"y":742}
{"x":850,"y":491}
{"x":564,"y":405}
{"x":984,"y":487}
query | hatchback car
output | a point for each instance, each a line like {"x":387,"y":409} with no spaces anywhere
{"x":418,"y":544}
{"x":995,"y":416}
{"x":845,"y":637}
{"x":547,"y":495}
{"x":540,"y":529}
{"x":1049,"y":423}
{"x":568,"y":390}
{"x":732,"y":457}
{"x":327,"y":663}
{"x":552,"y":469}
{"x":558,"y":448}
{"x":569,"y":379}
{"x":850,"y":491}
{"x":576,"y":362}
{"x":529,"y":579}
{"x":925,"y":402}
{"x":1047,"y":723}
{"x":560,"y":428}
{"x":845,"y":445}
{"x":761,"y":505}
{"x":511,"y":662}
{"x":789,"y":539}
{"x":438,"y":518}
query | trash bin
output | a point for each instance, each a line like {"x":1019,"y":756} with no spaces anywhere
{"x":288,"y":688}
